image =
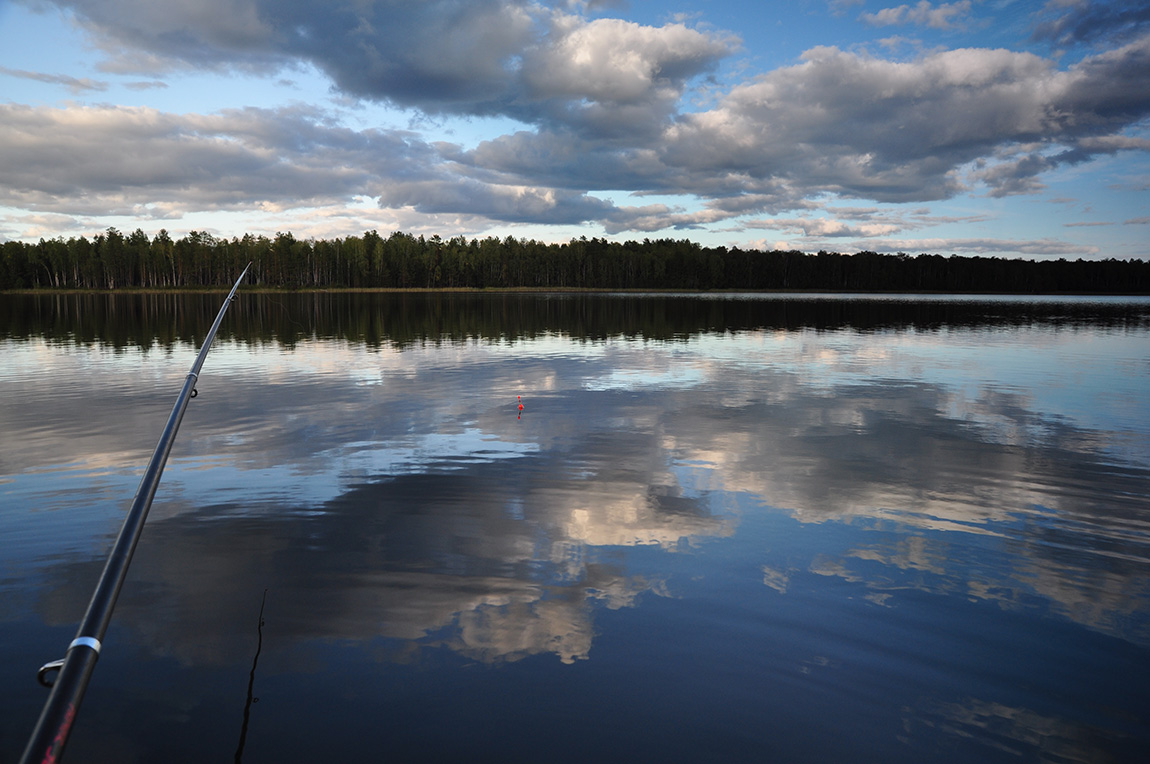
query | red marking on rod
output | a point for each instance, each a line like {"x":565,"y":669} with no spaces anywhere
{"x":57,"y":744}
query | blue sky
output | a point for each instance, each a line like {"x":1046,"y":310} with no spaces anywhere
{"x":996,"y":127}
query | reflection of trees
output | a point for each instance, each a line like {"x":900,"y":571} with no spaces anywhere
{"x":401,"y":319}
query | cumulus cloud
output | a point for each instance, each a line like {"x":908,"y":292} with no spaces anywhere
{"x":145,"y":36}
{"x":1089,"y":21}
{"x":106,"y":158}
{"x":602,"y":100}
{"x":657,"y":217}
{"x":519,"y":204}
{"x":616,"y":60}
{"x":612,"y":73}
{"x":441,"y":56}
{"x":855,"y":126}
{"x":824,"y":227}
{"x":862,"y":127}
{"x":942,"y":16}
{"x":1018,"y":176}
{"x":120,"y":160}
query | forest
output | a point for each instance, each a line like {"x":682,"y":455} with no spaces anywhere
{"x":112,"y":261}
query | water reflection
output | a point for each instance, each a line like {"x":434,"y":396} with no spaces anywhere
{"x":825,"y":492}
{"x":463,"y":493}
{"x":1016,"y":732}
{"x":486,"y":557}
{"x":404,"y":319}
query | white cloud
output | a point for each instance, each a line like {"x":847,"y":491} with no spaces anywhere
{"x":439,"y":54}
{"x":611,"y":60}
{"x":942,"y":16}
{"x":519,"y":204}
{"x":109,"y":159}
{"x":603,"y":104}
{"x":824,"y":227}
{"x":481,"y":57}
{"x":868,"y":128}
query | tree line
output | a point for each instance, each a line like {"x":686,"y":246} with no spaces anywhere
{"x":111,"y":260}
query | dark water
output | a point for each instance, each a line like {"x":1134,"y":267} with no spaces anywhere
{"x":722,"y":529}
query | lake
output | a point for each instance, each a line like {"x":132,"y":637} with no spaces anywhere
{"x":731,"y":528}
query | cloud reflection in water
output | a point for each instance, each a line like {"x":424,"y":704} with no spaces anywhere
{"x":416,"y":513}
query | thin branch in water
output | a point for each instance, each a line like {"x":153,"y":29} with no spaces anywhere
{"x":252,"y":682}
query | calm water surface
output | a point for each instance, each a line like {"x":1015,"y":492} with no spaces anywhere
{"x":722,"y":529}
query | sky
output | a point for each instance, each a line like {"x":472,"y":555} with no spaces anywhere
{"x":978,"y":127}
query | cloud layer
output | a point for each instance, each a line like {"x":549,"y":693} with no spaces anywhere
{"x":605,"y":104}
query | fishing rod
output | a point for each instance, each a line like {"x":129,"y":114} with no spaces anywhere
{"x":74,"y":670}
